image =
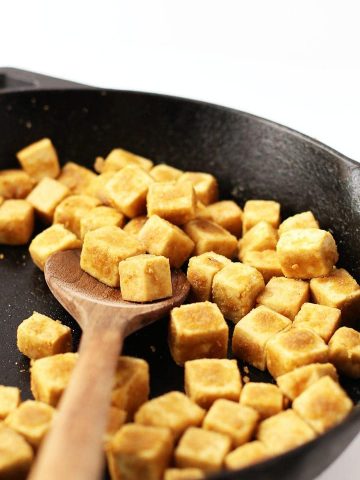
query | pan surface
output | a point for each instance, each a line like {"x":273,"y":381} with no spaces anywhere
{"x":251,"y":157}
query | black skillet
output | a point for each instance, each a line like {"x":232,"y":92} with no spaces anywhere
{"x":251,"y":157}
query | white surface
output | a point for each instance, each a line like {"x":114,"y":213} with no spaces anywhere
{"x":295,"y":62}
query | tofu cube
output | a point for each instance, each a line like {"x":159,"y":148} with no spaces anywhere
{"x":226,"y":213}
{"x":72,"y":209}
{"x":261,"y":236}
{"x":293,"y":383}
{"x":201,"y":271}
{"x":266,"y":262}
{"x":184,"y":474}
{"x":165,"y":173}
{"x":32,"y":420}
{"x":202,"y":449}
{"x":127,"y":190}
{"x":16,"y":222}
{"x":257,"y":210}
{"x":140,"y":452}
{"x":266,"y":399}
{"x":76,"y":178}
{"x":145,"y":278}
{"x":294,"y":348}
{"x":307,"y":253}
{"x":104,"y":249}
{"x":119,"y":158}
{"x":97,"y":187}
{"x":131,"y":384}
{"x":174,"y":411}
{"x":46,"y":196}
{"x":284,"y":431}
{"x":205,"y":186}
{"x":235,"y":289}
{"x":135,"y":225}
{"x":284,"y":295}
{"x":161,"y":237}
{"x":15,"y":183}
{"x":197,"y":330}
{"x":319,"y":318}
{"x":51,"y":240}
{"x":51,"y":375}
{"x":116,"y":419}
{"x":253,"y":332}
{"x":344,"y":351}
{"x":339,"y":290}
{"x":323,"y":405}
{"x":100,"y":217}
{"x":1,"y":201}
{"x":16,"y":454}
{"x":176,"y":202}
{"x":237,"y":421}
{"x":210,"y":237}
{"x":300,"y":220}
{"x":39,"y":336}
{"x":246,"y":455}
{"x":207,"y":380}
{"x":9,"y":400}
{"x":40,"y":160}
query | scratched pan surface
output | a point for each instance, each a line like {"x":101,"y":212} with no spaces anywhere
{"x":251,"y":157}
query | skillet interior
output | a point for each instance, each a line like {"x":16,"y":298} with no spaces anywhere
{"x":252,"y":158}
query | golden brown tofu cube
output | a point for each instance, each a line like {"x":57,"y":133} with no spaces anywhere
{"x":284,"y":431}
{"x":104,"y":249}
{"x":300,"y":220}
{"x":339,"y":290}
{"x":131,"y":385}
{"x":96,"y":187}
{"x":116,"y":419}
{"x":294,"y":348}
{"x":161,"y":237}
{"x":253,"y":332}
{"x":46,"y":196}
{"x":100,"y":217}
{"x":210,"y":237}
{"x":16,"y":222}
{"x":51,"y":375}
{"x":145,"y":278}
{"x":15,"y":184}
{"x":284,"y":295}
{"x":266,"y":262}
{"x":257,"y":210}
{"x":232,"y":419}
{"x":135,"y":225}
{"x":184,"y":474}
{"x":207,"y":380}
{"x":196,"y":331}
{"x":307,"y":253}
{"x":40,"y":160}
{"x":165,"y":173}
{"x":140,"y":452}
{"x":9,"y":400}
{"x":205,"y":186}
{"x":202,"y":449}
{"x":226,"y":213}
{"x":16,"y":455}
{"x":176,"y":202}
{"x":261,"y":236}
{"x":174,"y":410}
{"x":71,"y":210}
{"x":246,"y":455}
{"x":235,"y":289}
{"x":32,"y":420}
{"x":76,"y":178}
{"x":119,"y":158}
{"x":127,"y":190}
{"x":293,"y":383}
{"x":265,"y":398}
{"x":1,"y":201}
{"x":201,"y":271}
{"x":323,"y":405}
{"x":39,"y":336}
{"x":344,"y":351}
{"x":319,"y":318}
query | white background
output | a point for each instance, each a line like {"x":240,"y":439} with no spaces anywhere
{"x":295,"y":62}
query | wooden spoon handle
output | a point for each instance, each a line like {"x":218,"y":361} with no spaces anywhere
{"x":73,"y":449}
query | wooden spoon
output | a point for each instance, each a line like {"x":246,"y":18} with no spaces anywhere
{"x":73,"y":449}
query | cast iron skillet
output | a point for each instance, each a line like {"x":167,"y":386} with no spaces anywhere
{"x":251,"y":157}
